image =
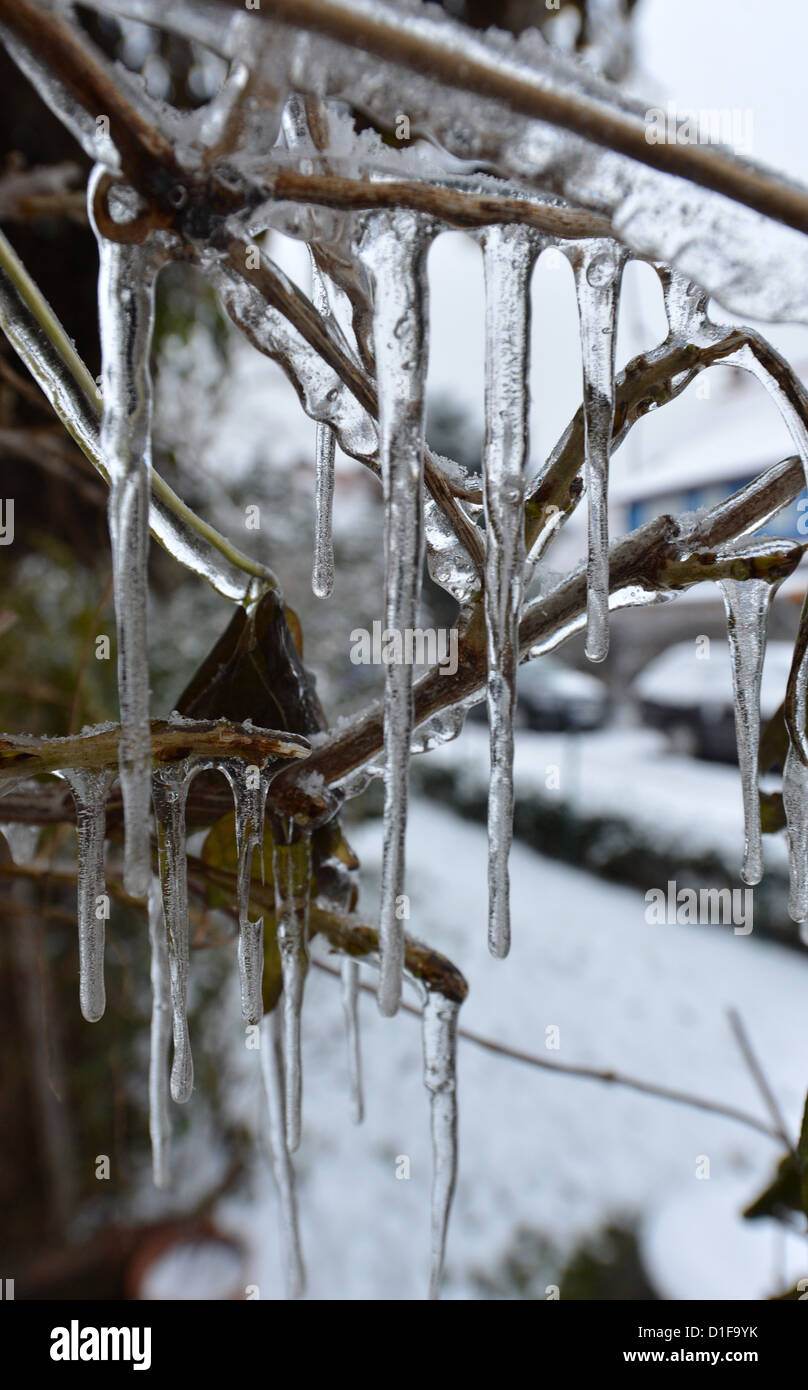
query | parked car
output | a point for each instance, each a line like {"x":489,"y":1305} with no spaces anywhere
{"x":688,"y":694}
{"x":552,"y":696}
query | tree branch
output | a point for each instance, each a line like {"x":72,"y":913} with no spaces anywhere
{"x":451,"y":54}
{"x":28,"y":756}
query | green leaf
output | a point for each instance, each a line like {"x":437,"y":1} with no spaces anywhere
{"x":772,"y":813}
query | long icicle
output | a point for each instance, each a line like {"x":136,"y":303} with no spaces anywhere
{"x":160,"y":1040}
{"x":747,"y":603}
{"x":170,"y":792}
{"x":349,"y":972}
{"x":272,"y":1071}
{"x":249,"y":785}
{"x":322,"y":577}
{"x":439,"y":1035}
{"x":292,"y":873}
{"x":598,"y":268}
{"x":795,"y":780}
{"x":509,"y":256}
{"x":90,"y":790}
{"x":394,"y":251}
{"x":126,"y":281}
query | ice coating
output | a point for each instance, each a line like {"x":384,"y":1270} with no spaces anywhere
{"x":22,"y":840}
{"x":170,"y":793}
{"x":249,"y":785}
{"x":394,"y":250}
{"x":126,"y":282}
{"x":795,"y":801}
{"x":747,"y":604}
{"x":598,"y":266}
{"x":160,"y":1040}
{"x":323,"y":395}
{"x":90,"y":790}
{"x":439,"y":1036}
{"x":322,"y":578}
{"x":272,"y":1072}
{"x":795,"y":804}
{"x":76,"y":402}
{"x":509,"y":256}
{"x":349,"y":975}
{"x":292,"y":874}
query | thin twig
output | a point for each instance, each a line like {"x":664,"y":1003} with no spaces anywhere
{"x":606,"y":1076}
{"x":761,"y":1080}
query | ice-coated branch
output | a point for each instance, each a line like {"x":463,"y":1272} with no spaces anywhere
{"x":26,"y":755}
{"x":424,"y":40}
{"x":274,"y":289}
{"x":454,"y":206}
{"x":663,"y":556}
{"x":40,"y":340}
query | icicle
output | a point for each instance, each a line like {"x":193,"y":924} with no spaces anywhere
{"x":22,"y":840}
{"x":394,"y":252}
{"x":747,"y":604}
{"x":598,"y":267}
{"x":349,"y":970}
{"x":90,"y":791}
{"x":272,"y":1071}
{"x":324,"y":395}
{"x":126,"y":281}
{"x":249,"y":785}
{"x":795,"y":802}
{"x":292,"y":873}
{"x":509,"y":254}
{"x":322,"y":579}
{"x":159,"y":1124}
{"x":170,"y":792}
{"x":439,"y":1033}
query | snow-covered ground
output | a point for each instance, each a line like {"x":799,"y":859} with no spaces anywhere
{"x":558,"y":1155}
{"x":682,"y":806}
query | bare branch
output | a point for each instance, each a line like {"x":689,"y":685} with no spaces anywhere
{"x":604,"y":1075}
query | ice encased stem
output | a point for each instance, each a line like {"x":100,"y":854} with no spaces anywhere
{"x":439,"y":1036}
{"x":249,"y":785}
{"x":795,"y":804}
{"x":160,"y":1039}
{"x":273,"y":1073}
{"x":292,"y":874}
{"x":90,"y":788}
{"x":170,"y":793}
{"x":509,"y":254}
{"x":126,"y":282}
{"x":322,"y":578}
{"x":349,"y":974}
{"x":394,"y":251}
{"x":598,"y":267}
{"x":747,"y":603}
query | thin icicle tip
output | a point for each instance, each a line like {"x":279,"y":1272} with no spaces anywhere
{"x":90,"y":791}
{"x":439,"y":1036}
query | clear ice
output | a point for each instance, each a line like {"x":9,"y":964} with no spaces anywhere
{"x":394,"y":251}
{"x":509,"y":256}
